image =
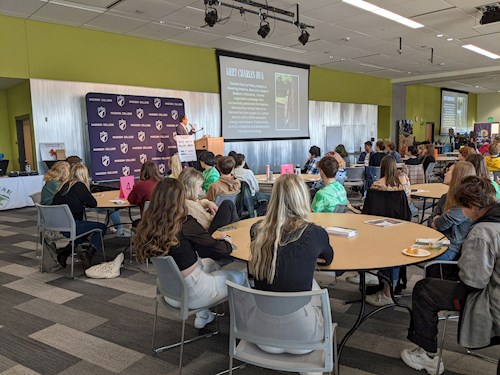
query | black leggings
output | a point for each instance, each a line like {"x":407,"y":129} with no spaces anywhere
{"x":226,"y":214}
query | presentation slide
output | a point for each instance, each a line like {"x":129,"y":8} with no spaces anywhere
{"x":263,"y":100}
{"x":453,"y":111}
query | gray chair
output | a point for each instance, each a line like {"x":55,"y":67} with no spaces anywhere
{"x":170,"y":284}
{"x":246,"y":303}
{"x":59,"y":218}
{"x":340,"y":209}
{"x":355,"y":178}
{"x":226,"y":197}
{"x":496,"y":174}
{"x":37,"y":198}
{"x":429,"y":172}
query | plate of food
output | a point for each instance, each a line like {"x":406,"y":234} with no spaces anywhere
{"x":416,"y":252}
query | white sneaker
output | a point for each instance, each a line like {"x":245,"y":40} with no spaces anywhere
{"x":369,"y":279}
{"x":108,"y":270}
{"x":203,"y":318}
{"x":379,"y":299}
{"x":112,"y":230}
{"x":123,"y":233}
{"x":418,"y":359}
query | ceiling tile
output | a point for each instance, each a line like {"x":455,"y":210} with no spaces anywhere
{"x":194,"y":37}
{"x":18,"y":8}
{"x":150,"y":10}
{"x":94,"y":3}
{"x":116,"y":24}
{"x":452,"y":22}
{"x":157,"y":31}
{"x":53,"y":12}
{"x":488,"y":42}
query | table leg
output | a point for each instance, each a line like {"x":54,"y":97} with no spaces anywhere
{"x":423,"y":211}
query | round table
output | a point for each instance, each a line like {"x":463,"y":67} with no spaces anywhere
{"x":444,"y":159}
{"x":373,"y":248}
{"x":432,"y":191}
{"x":262,"y":179}
{"x":104,"y":199}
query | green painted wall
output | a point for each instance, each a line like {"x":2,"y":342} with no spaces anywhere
{"x":384,"y":122}
{"x":424,"y":102}
{"x":18,"y":104}
{"x":5,"y":142}
{"x":13,"y":50}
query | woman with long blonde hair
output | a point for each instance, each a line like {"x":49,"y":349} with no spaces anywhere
{"x":75,"y":192}
{"x":284,"y":251}
{"x":59,"y":172}
{"x":448,"y":217}
{"x":168,"y":230}
{"x":175,"y":166}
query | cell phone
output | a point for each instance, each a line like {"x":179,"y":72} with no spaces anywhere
{"x":229,"y":227}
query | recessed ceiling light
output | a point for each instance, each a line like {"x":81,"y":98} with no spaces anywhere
{"x":440,"y":35}
{"x":162,"y":22}
{"x":384,"y":13}
{"x":476,"y":87}
{"x":481,"y":51}
{"x":342,"y":59}
{"x":409,"y":72}
{"x":441,"y":64}
{"x":187,"y":27}
{"x":331,"y":57}
{"x":449,"y":39}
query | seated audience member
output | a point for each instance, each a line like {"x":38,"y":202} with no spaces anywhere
{"x":447,"y":217}
{"x":484,"y":148}
{"x":475,"y":296}
{"x":227,"y":183}
{"x":333,"y":193}
{"x":377,"y":157}
{"x":73,"y":159}
{"x":481,"y":171}
{"x":168,"y":230}
{"x":59,"y":172}
{"x":248,"y":176}
{"x":175,"y":166}
{"x":428,"y":156}
{"x":311,"y":166}
{"x":464,"y":153}
{"x":210,"y":173}
{"x":205,"y":212}
{"x":367,"y":153}
{"x":412,"y":156}
{"x":75,"y":192}
{"x":493,"y":161}
{"x":143,"y":189}
{"x":340,"y":149}
{"x":391,"y":150}
{"x":285,"y":249}
{"x":340,"y":177}
{"x":217,"y":159}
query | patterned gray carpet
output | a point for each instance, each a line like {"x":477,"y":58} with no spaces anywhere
{"x":50,"y":324}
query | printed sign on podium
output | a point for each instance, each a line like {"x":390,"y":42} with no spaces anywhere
{"x":185,"y":146}
{"x":126,"y":185}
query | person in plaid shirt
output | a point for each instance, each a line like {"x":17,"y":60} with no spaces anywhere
{"x":311,"y":166}
{"x":328,"y":198}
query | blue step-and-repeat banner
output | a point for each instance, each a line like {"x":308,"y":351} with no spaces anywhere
{"x":125,"y":131}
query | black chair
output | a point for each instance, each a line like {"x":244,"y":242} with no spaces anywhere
{"x":393,"y":204}
{"x":3,"y":167}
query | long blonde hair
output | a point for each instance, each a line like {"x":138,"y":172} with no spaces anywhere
{"x":175,"y":166}
{"x":77,"y":173}
{"x":58,"y":172}
{"x":287,"y":217}
{"x":159,"y":229}
{"x":189,"y":178}
{"x":461,"y":170}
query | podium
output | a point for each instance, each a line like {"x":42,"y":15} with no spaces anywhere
{"x":213,"y":144}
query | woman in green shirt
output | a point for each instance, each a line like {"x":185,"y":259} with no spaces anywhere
{"x":59,"y":172}
{"x":479,"y":163}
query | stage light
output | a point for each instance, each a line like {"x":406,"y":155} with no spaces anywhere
{"x":264,"y":29}
{"x":304,"y":37}
{"x":211,"y":16}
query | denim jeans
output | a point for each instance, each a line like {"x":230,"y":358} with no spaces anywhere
{"x":85,"y":226}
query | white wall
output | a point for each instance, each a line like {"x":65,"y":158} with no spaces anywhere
{"x":488,"y":105}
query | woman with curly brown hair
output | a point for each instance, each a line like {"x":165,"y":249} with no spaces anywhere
{"x":167,"y":229}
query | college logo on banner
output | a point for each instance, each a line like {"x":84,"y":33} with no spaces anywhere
{"x":141,"y":136}
{"x":160,"y":146}
{"x":143,"y":158}
{"x":140,"y":113}
{"x":101,"y":112}
{"x":161,"y":168}
{"x":126,"y":170}
{"x":124,"y":148}
{"x":120,"y":100}
{"x":105,"y":160}
{"x":159,"y":124}
{"x":103,"y":136}
{"x":122,"y":124}
{"x":175,"y":114}
{"x":157,"y":102}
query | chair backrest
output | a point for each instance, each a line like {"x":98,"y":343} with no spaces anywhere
{"x":36,"y":197}
{"x":340,"y":209}
{"x":393,"y":204}
{"x":57,"y":218}
{"x":496,"y":174}
{"x":415,"y":173}
{"x":429,"y":171}
{"x":4,"y":164}
{"x":223,"y":197}
{"x":170,"y":282}
{"x":355,"y":174}
{"x":244,"y":202}
{"x":372,"y":174}
{"x":146,"y":206}
{"x":256,"y":314}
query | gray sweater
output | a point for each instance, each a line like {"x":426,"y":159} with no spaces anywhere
{"x":453,"y":224}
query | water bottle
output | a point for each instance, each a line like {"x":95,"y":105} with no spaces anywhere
{"x":271,"y":178}
{"x":27,"y":167}
{"x":297,"y":170}
{"x":268,"y":171}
